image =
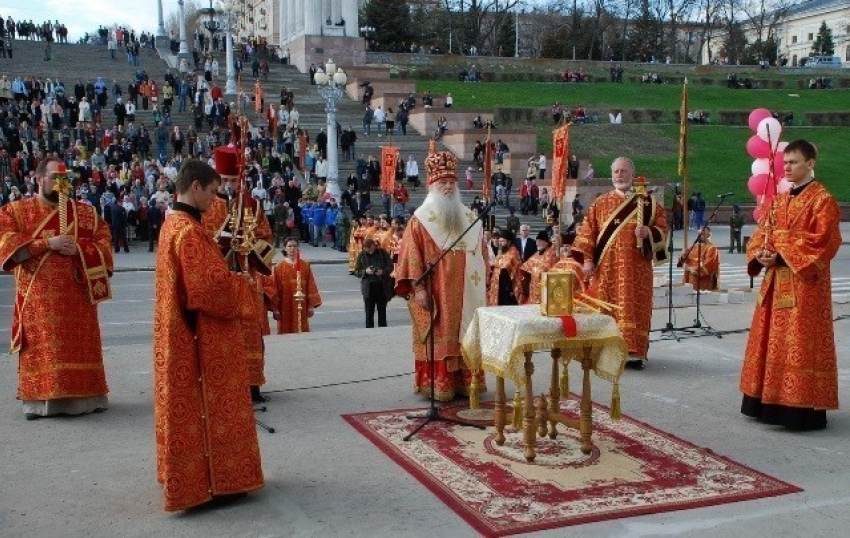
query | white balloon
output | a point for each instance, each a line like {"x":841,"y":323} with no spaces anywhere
{"x":783,"y":186}
{"x":771,"y":127}
{"x":761,"y":166}
{"x":781,"y":147}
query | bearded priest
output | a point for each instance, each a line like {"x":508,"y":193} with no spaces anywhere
{"x":617,"y":253}
{"x":458,"y":280}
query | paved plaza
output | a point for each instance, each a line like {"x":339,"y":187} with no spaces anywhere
{"x":95,"y":475}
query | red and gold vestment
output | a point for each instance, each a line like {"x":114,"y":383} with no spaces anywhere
{"x":206,"y":439}
{"x":534,"y":267}
{"x":790,"y":358}
{"x":623,"y":274}
{"x":284,"y":281}
{"x":55,"y":325}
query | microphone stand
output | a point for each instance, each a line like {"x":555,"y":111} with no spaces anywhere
{"x":433,"y":412}
{"x":670,"y":327}
{"x":708,"y":329}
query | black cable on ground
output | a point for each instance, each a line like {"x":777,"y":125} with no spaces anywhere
{"x":352,"y":382}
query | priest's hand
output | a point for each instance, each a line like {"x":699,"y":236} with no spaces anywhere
{"x":276,"y":314}
{"x":642,"y":231}
{"x":310,"y":312}
{"x":421,"y":298}
{"x":767,"y":259}
{"x":588,"y":268}
{"x":64,"y":244}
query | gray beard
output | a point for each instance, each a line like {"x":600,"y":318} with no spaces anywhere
{"x":451,"y":212}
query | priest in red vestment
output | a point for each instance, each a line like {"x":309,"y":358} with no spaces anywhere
{"x":543,"y":260}
{"x":459,"y":279}
{"x":701,"y":263}
{"x":506,"y":284}
{"x":790,"y":373}
{"x":617,"y":253}
{"x":60,"y":277}
{"x":206,"y":439}
{"x":285,"y":284}
{"x":216,"y":222}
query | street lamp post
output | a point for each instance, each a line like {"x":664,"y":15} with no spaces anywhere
{"x":212,"y":25}
{"x":331,"y":83}
{"x":229,"y":7}
{"x":184,"y":46}
{"x":161,"y":38}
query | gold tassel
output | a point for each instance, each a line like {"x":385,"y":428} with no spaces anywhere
{"x":473,"y":392}
{"x":615,"y":412}
{"x":516,"y":421}
{"x":565,"y":380}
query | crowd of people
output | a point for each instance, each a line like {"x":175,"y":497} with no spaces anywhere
{"x":125,"y":177}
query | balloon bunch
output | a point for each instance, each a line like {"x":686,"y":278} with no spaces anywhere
{"x":768,"y":170}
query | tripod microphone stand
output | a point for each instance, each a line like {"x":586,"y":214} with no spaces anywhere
{"x":698,"y":319}
{"x":433,"y":412}
{"x":670,"y":327}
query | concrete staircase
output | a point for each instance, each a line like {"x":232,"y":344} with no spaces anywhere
{"x":87,"y":62}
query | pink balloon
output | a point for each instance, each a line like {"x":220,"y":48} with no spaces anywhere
{"x":769,"y":130}
{"x":757,"y":214}
{"x":760,"y":166}
{"x":779,"y":165}
{"x":784,"y":186}
{"x":758,"y":148}
{"x":757,"y":184}
{"x":756,"y":116}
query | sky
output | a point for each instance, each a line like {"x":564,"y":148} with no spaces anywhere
{"x":81,"y":16}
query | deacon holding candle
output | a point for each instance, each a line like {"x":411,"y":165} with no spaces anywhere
{"x":296,"y":296}
{"x":790,"y":375}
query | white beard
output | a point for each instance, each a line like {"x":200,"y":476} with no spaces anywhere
{"x":450,"y":210}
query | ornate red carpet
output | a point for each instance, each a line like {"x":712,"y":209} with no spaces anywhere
{"x":634,"y":469}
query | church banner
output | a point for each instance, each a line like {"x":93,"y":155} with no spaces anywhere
{"x":389,"y":162}
{"x":560,"y":150}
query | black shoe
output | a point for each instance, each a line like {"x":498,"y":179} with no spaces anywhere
{"x":635,"y":363}
{"x":32,"y":416}
{"x":225,"y":500}
{"x":256,"y":396}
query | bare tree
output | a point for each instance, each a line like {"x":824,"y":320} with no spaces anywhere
{"x":479,"y":19}
{"x":709,"y":11}
{"x":764,"y":16}
{"x":678,"y":11}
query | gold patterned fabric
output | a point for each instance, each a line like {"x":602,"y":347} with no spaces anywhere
{"x":459,"y":282}
{"x":790,"y":358}
{"x":206,"y":439}
{"x":623,"y":273}
{"x":499,"y":336}
{"x":252,"y":329}
{"x":55,"y":324}
{"x":534,"y":268}
{"x":702,"y":267}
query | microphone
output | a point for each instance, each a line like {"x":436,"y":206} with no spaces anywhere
{"x":725,"y":194}
{"x":487,"y":208}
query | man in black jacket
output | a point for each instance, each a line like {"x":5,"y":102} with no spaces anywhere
{"x":155,"y":216}
{"x":374,"y":266}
